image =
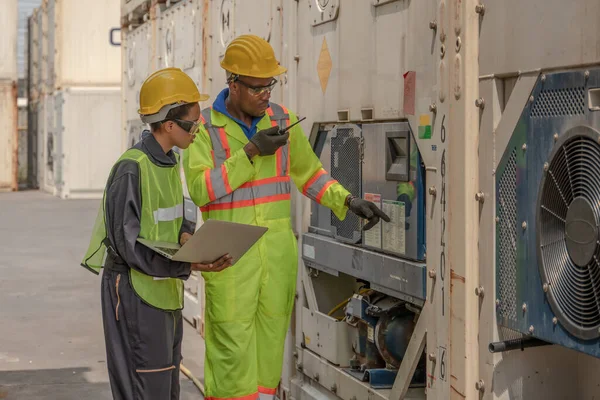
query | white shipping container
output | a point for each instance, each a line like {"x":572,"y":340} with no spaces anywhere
{"x":8,"y":135}
{"x":79,"y":48}
{"x":41,"y":67}
{"x":82,"y":140}
{"x":33,"y":55}
{"x":48,"y":153}
{"x":8,"y":44}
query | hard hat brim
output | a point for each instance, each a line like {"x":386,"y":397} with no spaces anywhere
{"x":162,"y":113}
{"x":236,"y":71}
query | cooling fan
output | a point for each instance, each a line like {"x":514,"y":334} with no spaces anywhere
{"x":548,"y":215}
{"x":567,"y":232}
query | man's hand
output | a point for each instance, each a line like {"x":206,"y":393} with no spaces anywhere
{"x":266,"y":142}
{"x":184,"y":238}
{"x":367,"y":210}
{"x":219,"y":265}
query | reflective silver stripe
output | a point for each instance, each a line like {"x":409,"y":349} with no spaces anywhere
{"x":313,"y":190}
{"x":263,"y":396}
{"x":255,"y":192}
{"x":284,"y":159}
{"x":168,"y":214}
{"x":215,"y":138}
{"x":279,"y":115}
{"x":218,"y":179}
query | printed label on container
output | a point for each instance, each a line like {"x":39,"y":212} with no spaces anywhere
{"x":309,"y":251}
{"x":373,"y":236}
{"x":393,"y":232}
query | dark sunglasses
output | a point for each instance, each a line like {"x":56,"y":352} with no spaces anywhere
{"x":188,"y":126}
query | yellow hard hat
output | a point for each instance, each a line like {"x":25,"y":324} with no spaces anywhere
{"x":164,"y":90}
{"x":250,"y":55}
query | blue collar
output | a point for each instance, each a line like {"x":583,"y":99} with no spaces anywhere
{"x":219,"y":105}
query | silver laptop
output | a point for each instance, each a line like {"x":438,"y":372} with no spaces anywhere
{"x":211,"y":241}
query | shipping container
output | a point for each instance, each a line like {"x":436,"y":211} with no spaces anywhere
{"x":23,"y":143}
{"x":82,"y":140}
{"x":33,"y":145}
{"x":41,"y":74}
{"x":8,"y":136}
{"x":80,"y":52}
{"x":33,"y":54}
{"x":8,"y":44}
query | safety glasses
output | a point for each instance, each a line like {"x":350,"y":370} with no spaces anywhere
{"x":259,"y":90}
{"x":188,"y":126}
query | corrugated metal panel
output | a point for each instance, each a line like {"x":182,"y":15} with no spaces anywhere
{"x":8,"y":44}
{"x":33,"y":54}
{"x":79,"y":52}
{"x":25,"y":9}
{"x":42,"y":40}
{"x":8,"y":136}
{"x":87,"y":144}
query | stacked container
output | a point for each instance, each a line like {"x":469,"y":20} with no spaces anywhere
{"x":75,"y":95}
{"x":8,"y":97}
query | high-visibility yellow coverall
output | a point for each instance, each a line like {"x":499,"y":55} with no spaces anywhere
{"x":248,"y":306}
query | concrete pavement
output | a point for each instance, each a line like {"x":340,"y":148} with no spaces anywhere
{"x":51,"y":339}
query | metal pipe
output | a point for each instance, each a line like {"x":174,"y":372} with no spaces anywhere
{"x":514,"y":344}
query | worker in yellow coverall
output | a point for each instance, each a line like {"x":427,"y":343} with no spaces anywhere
{"x":239,"y":169}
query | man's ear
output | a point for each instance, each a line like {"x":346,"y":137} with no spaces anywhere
{"x":233,"y":88}
{"x":169,"y":125}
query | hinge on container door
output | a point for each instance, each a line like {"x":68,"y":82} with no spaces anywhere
{"x":361,"y":148}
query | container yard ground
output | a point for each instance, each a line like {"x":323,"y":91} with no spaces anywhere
{"x":52,"y":343}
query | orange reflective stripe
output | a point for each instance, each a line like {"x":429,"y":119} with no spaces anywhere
{"x":225,"y":179}
{"x":224,"y":142}
{"x":312,"y":181}
{"x":322,"y":192}
{"x":252,"y":396}
{"x":279,"y":114}
{"x":266,"y":390}
{"x":270,"y":112}
{"x":211,"y":193}
{"x":266,"y":181}
{"x":248,"y":203}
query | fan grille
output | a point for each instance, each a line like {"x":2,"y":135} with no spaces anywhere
{"x":507,"y":237}
{"x":345,"y":150}
{"x":569,"y":210}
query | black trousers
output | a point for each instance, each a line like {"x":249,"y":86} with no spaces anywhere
{"x":143,"y":343}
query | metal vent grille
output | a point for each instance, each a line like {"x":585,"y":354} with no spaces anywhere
{"x":559,"y":102}
{"x":569,"y":215}
{"x":507,"y":238}
{"x":346,"y":169}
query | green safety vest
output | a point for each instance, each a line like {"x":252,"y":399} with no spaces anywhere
{"x":161,"y":219}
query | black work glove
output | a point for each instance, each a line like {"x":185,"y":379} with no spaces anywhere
{"x":367,"y":210}
{"x":269,"y":140}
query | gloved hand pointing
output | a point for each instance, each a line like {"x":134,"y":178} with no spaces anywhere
{"x":367,"y":210}
{"x":269,"y":140}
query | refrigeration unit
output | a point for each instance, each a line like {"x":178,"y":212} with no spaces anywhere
{"x":380,"y":162}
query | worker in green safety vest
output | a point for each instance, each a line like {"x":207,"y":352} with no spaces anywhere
{"x":142,"y":291}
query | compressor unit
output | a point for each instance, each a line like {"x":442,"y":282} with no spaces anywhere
{"x":380,"y":162}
